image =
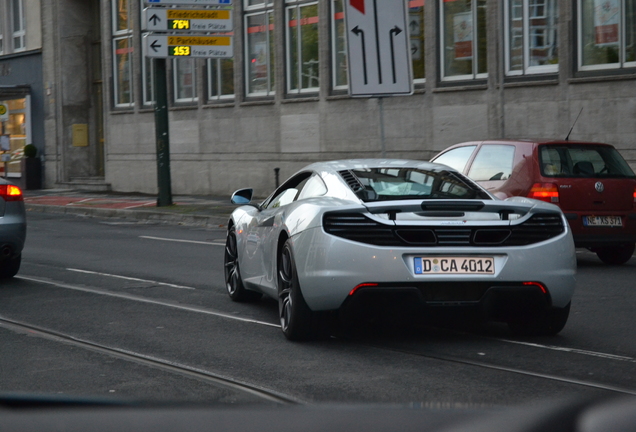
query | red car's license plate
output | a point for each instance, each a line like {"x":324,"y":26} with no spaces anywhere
{"x":603,"y":221}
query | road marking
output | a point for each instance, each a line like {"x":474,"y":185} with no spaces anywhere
{"x":182,"y":241}
{"x":147,"y":300}
{"x":573,"y":350}
{"x":511,"y":370}
{"x":131,"y":279}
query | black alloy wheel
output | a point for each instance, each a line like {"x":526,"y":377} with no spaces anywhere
{"x":10,"y":266}
{"x":295,"y":316}
{"x":547,"y":323}
{"x":233,"y":282}
{"x":615,"y":255}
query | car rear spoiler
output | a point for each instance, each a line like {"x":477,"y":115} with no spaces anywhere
{"x":448,"y":208}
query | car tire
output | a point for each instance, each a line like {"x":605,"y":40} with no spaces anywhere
{"x":615,"y":255}
{"x":548,"y":323}
{"x":233,"y":281}
{"x":296,"y":319}
{"x":10,"y":267}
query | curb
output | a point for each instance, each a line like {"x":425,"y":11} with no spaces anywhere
{"x":199,"y":220}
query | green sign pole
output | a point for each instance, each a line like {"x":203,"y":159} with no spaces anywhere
{"x":162,"y":134}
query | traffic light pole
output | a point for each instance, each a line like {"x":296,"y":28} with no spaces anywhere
{"x":162,"y":134}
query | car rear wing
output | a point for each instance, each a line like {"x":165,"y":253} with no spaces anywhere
{"x":456,"y":208}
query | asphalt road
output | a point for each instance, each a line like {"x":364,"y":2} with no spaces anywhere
{"x":138,"y":310}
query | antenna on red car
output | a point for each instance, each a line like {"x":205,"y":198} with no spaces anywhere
{"x":567,"y":138}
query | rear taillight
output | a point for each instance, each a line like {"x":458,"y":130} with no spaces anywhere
{"x":362,"y":285}
{"x":11,"y":193}
{"x":634,"y":195}
{"x":547,"y":192}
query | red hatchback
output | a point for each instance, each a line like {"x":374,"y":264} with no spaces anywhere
{"x":591,"y":183}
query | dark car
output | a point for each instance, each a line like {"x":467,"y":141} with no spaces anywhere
{"x":12,"y":228}
{"x":591,"y":182}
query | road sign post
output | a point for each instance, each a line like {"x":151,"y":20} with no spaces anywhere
{"x":163,"y":46}
{"x":378,"y":48}
{"x":162,"y":133}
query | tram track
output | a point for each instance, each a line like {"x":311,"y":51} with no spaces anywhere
{"x":271,"y":395}
{"x":151,"y":361}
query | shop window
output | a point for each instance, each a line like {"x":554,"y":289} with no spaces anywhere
{"x":220,"y":79}
{"x":15,"y":133}
{"x":259,"y":46}
{"x":606,"y":34}
{"x":122,"y":54}
{"x":463,"y":39}
{"x":185,"y":84}
{"x":531,"y":44}
{"x":302,"y":65}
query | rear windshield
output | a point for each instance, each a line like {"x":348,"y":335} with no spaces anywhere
{"x":384,"y":184}
{"x":571,"y":160}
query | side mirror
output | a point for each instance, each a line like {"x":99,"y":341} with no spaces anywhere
{"x":242,"y":196}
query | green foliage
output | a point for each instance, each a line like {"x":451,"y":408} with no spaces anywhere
{"x":30,"y":151}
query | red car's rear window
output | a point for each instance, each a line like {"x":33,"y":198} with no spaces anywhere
{"x":576,"y":160}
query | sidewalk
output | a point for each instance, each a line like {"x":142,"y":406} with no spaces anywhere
{"x":204,"y":211}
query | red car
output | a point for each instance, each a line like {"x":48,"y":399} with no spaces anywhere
{"x":590,"y":182}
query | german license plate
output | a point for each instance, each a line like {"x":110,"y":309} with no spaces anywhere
{"x":454,"y":265}
{"x":603,"y":221}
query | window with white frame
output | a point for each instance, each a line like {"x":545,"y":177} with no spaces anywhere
{"x":1,"y":32}
{"x":147,"y":74}
{"x":417,"y":39}
{"x":185,"y":83}
{"x":148,"y":80}
{"x":17,"y":23}
{"x":122,"y":54}
{"x":606,"y":34}
{"x":463,"y":39}
{"x":538,"y":8}
{"x":531,"y":42}
{"x":259,"y":47}
{"x":220,"y":79}
{"x":301,"y":46}
{"x":338,"y":45}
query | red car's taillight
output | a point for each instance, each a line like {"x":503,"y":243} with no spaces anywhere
{"x":547,"y":192}
{"x":11,"y":193}
{"x":634,"y":195}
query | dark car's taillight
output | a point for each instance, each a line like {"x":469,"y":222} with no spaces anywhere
{"x":634,"y":196}
{"x":11,"y":193}
{"x":547,"y":192}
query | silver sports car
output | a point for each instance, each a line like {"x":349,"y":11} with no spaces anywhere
{"x":356,"y":235}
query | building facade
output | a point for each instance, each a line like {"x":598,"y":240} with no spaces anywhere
{"x":21,"y":84}
{"x":481,"y":69}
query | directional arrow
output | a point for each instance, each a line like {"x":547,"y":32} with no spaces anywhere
{"x":392,"y":33}
{"x":360,"y":33}
{"x":154,"y":45}
{"x":154,"y":18}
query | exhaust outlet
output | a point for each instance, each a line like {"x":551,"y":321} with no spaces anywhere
{"x":6,"y":251}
